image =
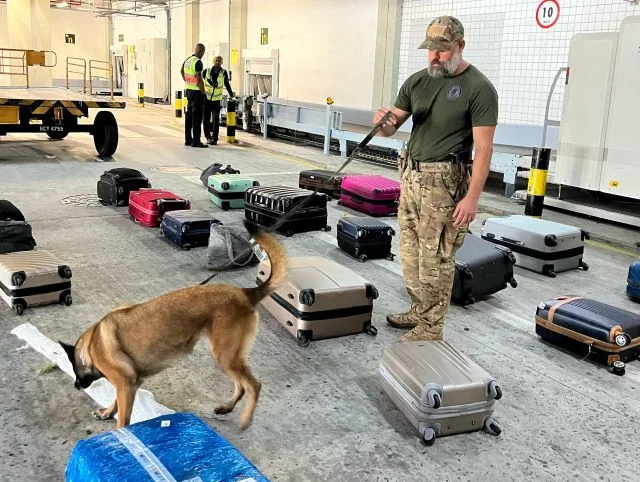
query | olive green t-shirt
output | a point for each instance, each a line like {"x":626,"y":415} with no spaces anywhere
{"x":444,"y":111}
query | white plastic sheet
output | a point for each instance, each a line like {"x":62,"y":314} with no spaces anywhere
{"x":101,"y":391}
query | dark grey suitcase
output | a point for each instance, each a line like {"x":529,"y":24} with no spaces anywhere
{"x":539,"y":245}
{"x":482,"y":269}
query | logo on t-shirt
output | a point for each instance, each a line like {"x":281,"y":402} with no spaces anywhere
{"x":454,"y":92}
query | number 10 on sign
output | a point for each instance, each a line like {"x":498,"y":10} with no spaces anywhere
{"x":547,"y":13}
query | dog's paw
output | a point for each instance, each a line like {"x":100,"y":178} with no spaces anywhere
{"x":102,"y":414}
{"x":222,"y":409}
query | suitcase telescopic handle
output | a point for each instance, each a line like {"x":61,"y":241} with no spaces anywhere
{"x":512,"y":241}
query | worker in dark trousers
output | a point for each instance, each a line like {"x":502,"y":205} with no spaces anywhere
{"x":194,"y":83}
{"x":215,"y":79}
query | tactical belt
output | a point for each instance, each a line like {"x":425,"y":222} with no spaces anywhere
{"x":462,"y":158}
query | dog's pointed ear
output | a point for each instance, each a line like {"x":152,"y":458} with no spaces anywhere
{"x":69,"y":350}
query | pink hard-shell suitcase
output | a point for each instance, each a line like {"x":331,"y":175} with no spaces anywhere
{"x":371,"y":194}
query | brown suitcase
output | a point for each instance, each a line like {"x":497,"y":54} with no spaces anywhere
{"x":31,"y":278}
{"x":320,"y":299}
{"x":439,"y":389}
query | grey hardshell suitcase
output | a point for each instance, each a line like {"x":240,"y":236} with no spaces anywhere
{"x":539,"y":245}
{"x":440,"y":390}
{"x":320,"y":299}
{"x":31,"y":278}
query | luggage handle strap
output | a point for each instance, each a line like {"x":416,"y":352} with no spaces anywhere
{"x":299,"y":206}
{"x":512,"y":241}
{"x":562,"y":300}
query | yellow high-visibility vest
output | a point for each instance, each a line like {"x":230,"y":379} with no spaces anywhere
{"x":190,"y":76}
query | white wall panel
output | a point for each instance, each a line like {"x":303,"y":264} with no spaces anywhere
{"x":505,"y":42}
{"x":326,"y":48}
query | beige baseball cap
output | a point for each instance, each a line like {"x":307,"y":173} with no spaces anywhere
{"x":443,"y":33}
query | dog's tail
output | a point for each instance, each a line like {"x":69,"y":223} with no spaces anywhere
{"x":277,"y":258}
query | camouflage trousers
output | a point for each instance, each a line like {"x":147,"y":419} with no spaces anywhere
{"x":428,"y":238}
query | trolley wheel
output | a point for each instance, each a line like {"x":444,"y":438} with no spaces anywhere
{"x":429,"y":437}
{"x":303,"y":340}
{"x":67,"y":300}
{"x":19,"y":307}
{"x":369,"y":329}
{"x":105,"y":133}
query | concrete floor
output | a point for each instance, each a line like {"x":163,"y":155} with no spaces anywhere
{"x":322,"y":414}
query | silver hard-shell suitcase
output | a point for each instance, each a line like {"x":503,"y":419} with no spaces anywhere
{"x":440,"y":390}
{"x":320,"y":299}
{"x":539,"y":245}
{"x":31,"y":278}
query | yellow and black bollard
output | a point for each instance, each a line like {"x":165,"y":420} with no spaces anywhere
{"x":537,"y":181}
{"x":141,"y":94}
{"x":185,"y":101}
{"x":231,"y":121}
{"x":178,"y":103}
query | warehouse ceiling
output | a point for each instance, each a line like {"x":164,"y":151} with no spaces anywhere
{"x":143,"y":8}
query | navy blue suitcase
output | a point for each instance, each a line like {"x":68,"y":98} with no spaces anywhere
{"x":365,"y":237}
{"x":188,"y":228}
{"x":633,"y":282}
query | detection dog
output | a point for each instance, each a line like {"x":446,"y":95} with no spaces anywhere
{"x":131,"y":343}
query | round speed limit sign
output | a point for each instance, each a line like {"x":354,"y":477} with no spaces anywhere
{"x":547,"y":13}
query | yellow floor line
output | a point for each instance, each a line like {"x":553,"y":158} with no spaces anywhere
{"x":609,"y":247}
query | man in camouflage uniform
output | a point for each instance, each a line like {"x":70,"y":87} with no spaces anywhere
{"x":454,"y":108}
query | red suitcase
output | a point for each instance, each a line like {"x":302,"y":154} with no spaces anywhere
{"x":370,"y":194}
{"x":147,"y":206}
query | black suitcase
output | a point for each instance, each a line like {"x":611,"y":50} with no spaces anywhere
{"x":15,"y":236}
{"x":266,"y":205}
{"x":115,"y":185}
{"x":9,"y":212}
{"x":482,"y":269}
{"x":365,"y":237}
{"x":600,"y":332}
{"x":321,"y":180}
{"x":188,"y":228}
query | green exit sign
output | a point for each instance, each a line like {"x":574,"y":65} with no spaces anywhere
{"x":69,"y":38}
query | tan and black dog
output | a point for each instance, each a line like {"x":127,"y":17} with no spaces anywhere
{"x":134,"y":342}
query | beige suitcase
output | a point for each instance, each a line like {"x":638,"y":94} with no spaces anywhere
{"x":320,"y":299}
{"x":440,"y":391}
{"x":31,"y":278}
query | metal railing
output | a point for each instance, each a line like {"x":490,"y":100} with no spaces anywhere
{"x":18,"y":61}
{"x":102,"y":66}
{"x":80,"y":63}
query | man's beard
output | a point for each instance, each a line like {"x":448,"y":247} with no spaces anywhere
{"x":445,"y":69}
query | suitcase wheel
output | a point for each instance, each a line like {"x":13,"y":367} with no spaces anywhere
{"x":547,"y":270}
{"x":18,"y":278}
{"x":491,"y":427}
{"x":369,"y":329}
{"x":550,"y":240}
{"x":19,"y":306}
{"x":225,"y":205}
{"x":513,"y":283}
{"x":362,"y":258}
{"x":429,"y":436}
{"x":495,"y":391}
{"x":326,"y":229}
{"x":225,"y":185}
{"x":186,"y":247}
{"x":391,"y":256}
{"x":64,"y":272}
{"x":303,"y":339}
{"x":307,"y":297}
{"x":434,"y":398}
{"x":618,"y":368}
{"x":66,"y":299}
{"x":584,"y":266}
{"x":256,"y":184}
